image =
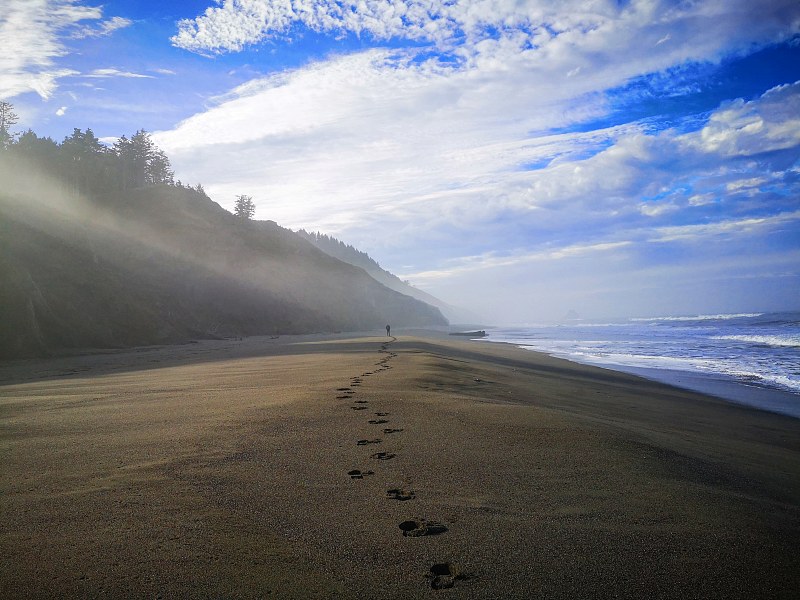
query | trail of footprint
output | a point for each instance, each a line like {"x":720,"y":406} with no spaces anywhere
{"x":401,"y":494}
{"x":365,"y":442}
{"x":383,"y":456}
{"x":444,"y":575}
{"x":358,"y":474}
{"x":420,"y":527}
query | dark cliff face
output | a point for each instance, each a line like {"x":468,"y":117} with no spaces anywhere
{"x":166,"y":264}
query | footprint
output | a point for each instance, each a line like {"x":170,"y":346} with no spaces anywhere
{"x":359,"y":407}
{"x":444,"y":575}
{"x":381,"y":414}
{"x":347,"y":389}
{"x":365,"y":442}
{"x":400,"y":494}
{"x":383,"y":455}
{"x":377,"y":421}
{"x":392,"y":430}
{"x":344,"y":397}
{"x":420,"y":527}
{"x":356,"y":474}
{"x":361,"y":402}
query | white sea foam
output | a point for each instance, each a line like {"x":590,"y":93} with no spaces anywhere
{"x":779,"y":341}
{"x":758,"y":352}
{"x":721,"y":317}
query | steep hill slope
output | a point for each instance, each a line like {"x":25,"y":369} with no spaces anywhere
{"x":166,"y":264}
{"x":349,"y":254}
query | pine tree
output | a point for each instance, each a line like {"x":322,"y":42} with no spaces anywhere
{"x":159,"y":169}
{"x":8,"y":118}
{"x":244,"y":207}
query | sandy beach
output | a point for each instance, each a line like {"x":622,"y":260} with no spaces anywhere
{"x":373,"y":467}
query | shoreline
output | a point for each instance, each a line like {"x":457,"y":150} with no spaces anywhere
{"x":718,"y":385}
{"x":294,"y":468}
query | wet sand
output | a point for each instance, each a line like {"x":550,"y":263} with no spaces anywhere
{"x":374,"y":467}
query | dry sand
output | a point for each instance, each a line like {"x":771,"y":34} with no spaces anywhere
{"x":220,"y":470}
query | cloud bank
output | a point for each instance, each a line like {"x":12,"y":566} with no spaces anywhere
{"x":463,"y":154}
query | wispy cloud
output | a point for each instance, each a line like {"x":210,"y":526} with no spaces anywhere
{"x":102,"y":29}
{"x":111,"y":72}
{"x":728,"y":227}
{"x":33,"y":32}
{"x":471,"y":264}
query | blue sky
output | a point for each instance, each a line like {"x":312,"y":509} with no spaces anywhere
{"x":521,"y":159}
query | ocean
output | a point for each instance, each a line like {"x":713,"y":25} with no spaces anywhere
{"x":751,"y":358}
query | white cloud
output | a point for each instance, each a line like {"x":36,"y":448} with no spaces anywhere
{"x":32,"y":33}
{"x":489,"y":261}
{"x":744,"y":128}
{"x":110,"y":72}
{"x":406,"y":159}
{"x":726,"y":227}
{"x":103,"y":29}
{"x":451,"y":167}
{"x":61,"y":111}
{"x":547,"y":27}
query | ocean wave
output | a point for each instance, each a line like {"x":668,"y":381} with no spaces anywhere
{"x":774,"y":380}
{"x":578,"y":325}
{"x":729,"y":368}
{"x":777,"y":341}
{"x":720,"y":317}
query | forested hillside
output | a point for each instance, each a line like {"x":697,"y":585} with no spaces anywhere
{"x":101,"y":248}
{"x":354,"y":256}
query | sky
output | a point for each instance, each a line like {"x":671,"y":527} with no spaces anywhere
{"x":519,"y":158}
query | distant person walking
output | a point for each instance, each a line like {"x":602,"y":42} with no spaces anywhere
{"x":388,"y":330}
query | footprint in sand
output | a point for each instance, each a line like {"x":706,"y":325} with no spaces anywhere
{"x":383,"y":456}
{"x":377,"y":421}
{"x":420,"y":527}
{"x":444,"y":575}
{"x":392,"y":430}
{"x":361,"y":402}
{"x":356,"y":474}
{"x":382,"y":414}
{"x":344,"y":397}
{"x":347,"y":389}
{"x":359,"y":407}
{"x":365,"y":442}
{"x":400,"y":494}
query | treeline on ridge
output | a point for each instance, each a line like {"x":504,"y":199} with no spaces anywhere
{"x":86,"y":165}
